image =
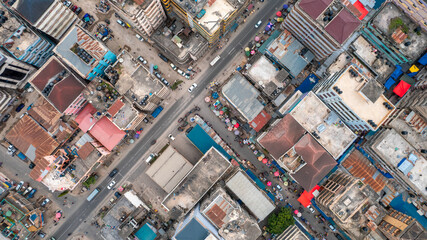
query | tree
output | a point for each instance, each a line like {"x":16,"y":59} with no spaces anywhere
{"x":278,"y":222}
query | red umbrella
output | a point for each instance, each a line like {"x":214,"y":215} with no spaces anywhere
{"x":236,"y":125}
{"x":296,"y":211}
{"x":276,"y":173}
{"x":268,"y":183}
{"x":221,"y":112}
{"x":279,"y":14}
{"x":264,"y":160}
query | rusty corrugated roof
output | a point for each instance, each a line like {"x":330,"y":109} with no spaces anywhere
{"x":44,"y":113}
{"x":85,"y":150}
{"x":314,"y":7}
{"x":114,"y":109}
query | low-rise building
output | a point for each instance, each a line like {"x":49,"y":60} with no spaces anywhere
{"x":5,"y":100}
{"x":357,"y":100}
{"x":60,"y":87}
{"x":49,"y":16}
{"x":416,"y":10}
{"x":84,"y":53}
{"x":207,"y":171}
{"x":22,"y":42}
{"x":256,"y":200}
{"x":399,"y":226}
{"x":243,"y":96}
{"x":228,"y":217}
{"x":293,"y":233}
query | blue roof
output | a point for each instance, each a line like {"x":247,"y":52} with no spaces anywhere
{"x":408,"y":209}
{"x":192,"y":231}
{"x":145,"y":233}
{"x":204,"y":142}
{"x":423,"y":60}
{"x":308,"y":84}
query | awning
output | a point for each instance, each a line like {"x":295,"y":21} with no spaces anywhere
{"x":401,"y":88}
{"x":389,"y":83}
{"x":305,"y":198}
{"x":250,"y":6}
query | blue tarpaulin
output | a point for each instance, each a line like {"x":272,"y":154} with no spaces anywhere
{"x":308,"y":84}
{"x":412,"y":74}
{"x":397,"y":72}
{"x":203,"y":141}
{"x":423,"y":60}
{"x":22,"y":156}
{"x":402,"y":206}
{"x":389,"y":83}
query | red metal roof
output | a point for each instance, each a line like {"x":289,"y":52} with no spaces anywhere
{"x":114,"y":109}
{"x":108,"y":134}
{"x":305,"y":198}
{"x":359,"y":6}
{"x":65,"y":92}
{"x":342,"y":26}
{"x":259,"y":121}
{"x":401,"y":88}
{"x":51,"y":68}
{"x":314,"y":7}
{"x":85,"y":118}
{"x":318,"y":162}
{"x":282,"y":136}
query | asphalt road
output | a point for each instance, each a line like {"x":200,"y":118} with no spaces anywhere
{"x":168,"y":116}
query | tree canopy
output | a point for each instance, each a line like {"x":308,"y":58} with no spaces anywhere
{"x":278,"y":222}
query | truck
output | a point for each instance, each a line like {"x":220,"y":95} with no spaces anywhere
{"x":93,"y":194}
{"x":215,"y":60}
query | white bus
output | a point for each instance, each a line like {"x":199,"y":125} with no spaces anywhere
{"x":216,"y":59}
{"x":93,"y":194}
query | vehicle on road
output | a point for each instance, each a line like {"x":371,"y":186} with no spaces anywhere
{"x":279,"y":187}
{"x":311,"y":209}
{"x":93,"y":194}
{"x":163,"y":57}
{"x":139,"y":37}
{"x":121,"y":23}
{"x":332,"y":227}
{"x":142,"y":60}
{"x":215,"y":60}
{"x":157,"y":111}
{"x":19,"y":186}
{"x":339,"y":237}
{"x":5,"y":118}
{"x":258,"y":24}
{"x":20,"y":107}
{"x":41,"y":234}
{"x":113,"y":173}
{"x":46,"y":201}
{"x":78,"y":11}
{"x":29,"y":189}
{"x":171,"y":137}
{"x":67,"y":3}
{"x":111,"y":184}
{"x":173,"y":66}
{"x":150,"y":158}
{"x":193,"y":86}
{"x":31,"y":194}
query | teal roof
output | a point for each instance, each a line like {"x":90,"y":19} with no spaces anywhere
{"x":145,"y":233}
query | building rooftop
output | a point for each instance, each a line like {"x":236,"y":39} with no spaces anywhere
{"x":198,"y":181}
{"x":260,"y":121}
{"x":88,"y":156}
{"x":281,"y":136}
{"x":293,"y":233}
{"x":101,"y":95}
{"x":123,"y":113}
{"x":317,"y":163}
{"x":31,"y":139}
{"x":243,"y":96}
{"x":359,"y":166}
{"x":169,"y":169}
{"x":135,"y":79}
{"x":44,"y":113}
{"x":290,"y":53}
{"x":57,"y":84}
{"x":108,"y":134}
{"x":314,"y":7}
{"x":313,"y":115}
{"x":382,"y":22}
{"x":32,"y":10}
{"x":420,"y":13}
{"x":80,"y":51}
{"x":395,"y":150}
{"x":14,"y":36}
{"x":349,"y":202}
{"x":86,"y":118}
{"x":258,"y":203}
{"x":357,"y":101}
{"x":263,"y":71}
{"x":342,"y":26}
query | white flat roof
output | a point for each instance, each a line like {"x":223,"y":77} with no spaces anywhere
{"x":215,"y":13}
{"x":257,"y":202}
{"x":353,"y":98}
{"x":312,"y":114}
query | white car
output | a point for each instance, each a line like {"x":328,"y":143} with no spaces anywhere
{"x":258,"y":24}
{"x":21,"y":183}
{"x":279,"y":187}
{"x":142,"y":60}
{"x":182,"y":73}
{"x":192,"y":87}
{"x":111,"y":185}
{"x":332,"y":227}
{"x":173,"y":66}
{"x":171,"y":137}
{"x":139,"y":37}
{"x":311,"y":209}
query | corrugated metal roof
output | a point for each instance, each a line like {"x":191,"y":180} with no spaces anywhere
{"x":314,"y":7}
{"x":44,"y":113}
{"x":342,"y":26}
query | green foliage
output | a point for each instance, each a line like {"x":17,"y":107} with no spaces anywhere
{"x":176,"y":84}
{"x":91,"y":180}
{"x":396,"y":23}
{"x":278,"y":222}
{"x":163,"y":148}
{"x":63,"y":193}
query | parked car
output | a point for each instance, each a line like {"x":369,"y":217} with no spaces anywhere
{"x":19,"y":107}
{"x":41,"y":234}
{"x":31,"y":194}
{"x":142,"y":60}
{"x":5,"y":118}
{"x":258,"y":24}
{"x":111,"y":184}
{"x":171,"y":137}
{"x":19,"y":186}
{"x":332,"y":227}
{"x":279,"y":187}
{"x":32,"y":165}
{"x":46,"y":201}
{"x":29,"y":189}
{"x":78,"y":10}
{"x":121,"y":23}
{"x":193,"y":86}
{"x":165,"y":82}
{"x":173,"y":66}
{"x":311,"y":209}
{"x":158,"y":75}
{"x":74,"y":8}
{"x":163,"y":57}
{"x":117,"y":194}
{"x":339,"y":237}
{"x":182,"y":73}
{"x":113,"y":173}
{"x":67,"y":3}
{"x":139,"y":37}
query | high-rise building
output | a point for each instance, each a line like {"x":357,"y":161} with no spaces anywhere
{"x":321,"y":25}
{"x":21,"y":41}
{"x":49,"y":16}
{"x":13,"y":73}
{"x":5,"y":99}
{"x":211,"y":18}
{"x":359,"y":101}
